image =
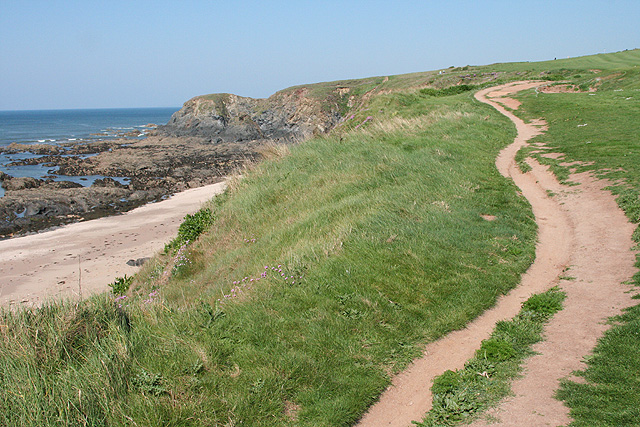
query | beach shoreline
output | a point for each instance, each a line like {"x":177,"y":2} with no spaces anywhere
{"x":81,"y":259}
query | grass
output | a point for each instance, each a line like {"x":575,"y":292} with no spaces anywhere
{"x":609,"y":396}
{"x":380,"y":228}
{"x":317,"y":276}
{"x":461,"y":396}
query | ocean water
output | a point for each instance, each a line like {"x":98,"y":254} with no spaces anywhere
{"x":62,"y":126}
{"x":52,"y":126}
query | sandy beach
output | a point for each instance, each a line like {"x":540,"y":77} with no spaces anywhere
{"x":87,"y":256}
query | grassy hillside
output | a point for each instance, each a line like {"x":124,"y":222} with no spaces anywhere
{"x":323,"y":271}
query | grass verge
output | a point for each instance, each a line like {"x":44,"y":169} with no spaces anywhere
{"x":460,"y":396}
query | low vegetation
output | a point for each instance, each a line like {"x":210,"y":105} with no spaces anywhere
{"x":459,"y":396}
{"x":294,"y":297}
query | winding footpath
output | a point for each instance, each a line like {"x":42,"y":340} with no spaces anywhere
{"x":582,"y":234}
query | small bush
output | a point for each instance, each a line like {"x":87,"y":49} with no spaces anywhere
{"x":448,"y":91}
{"x":191,"y":228}
{"x":121,"y":285}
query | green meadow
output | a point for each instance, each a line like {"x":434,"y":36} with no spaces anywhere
{"x":294,"y":297}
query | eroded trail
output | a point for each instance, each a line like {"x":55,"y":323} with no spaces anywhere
{"x":600,"y":260}
{"x":581,"y":230}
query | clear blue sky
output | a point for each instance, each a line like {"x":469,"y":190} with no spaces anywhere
{"x":94,"y":54}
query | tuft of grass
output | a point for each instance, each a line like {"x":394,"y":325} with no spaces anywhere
{"x":461,"y":396}
{"x":521,"y":156}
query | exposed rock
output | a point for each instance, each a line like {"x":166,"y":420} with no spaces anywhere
{"x":40,"y":149}
{"x":107,"y":182}
{"x":15,"y":184}
{"x":285,"y":116}
{"x":59,"y":185}
{"x":137,"y":262}
{"x":156,"y":166}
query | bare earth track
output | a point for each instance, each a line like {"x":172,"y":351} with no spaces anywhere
{"x":583,"y":235}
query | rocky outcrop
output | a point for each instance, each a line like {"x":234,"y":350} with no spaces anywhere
{"x":290,"y":115}
{"x":156,"y":167}
{"x":210,"y":137}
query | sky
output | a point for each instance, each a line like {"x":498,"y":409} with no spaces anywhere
{"x":57,"y":54}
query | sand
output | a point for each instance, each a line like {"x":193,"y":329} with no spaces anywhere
{"x":83,"y":258}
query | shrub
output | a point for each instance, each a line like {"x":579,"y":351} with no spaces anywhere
{"x":191,"y":228}
{"x":448,"y":91}
{"x":121,"y":285}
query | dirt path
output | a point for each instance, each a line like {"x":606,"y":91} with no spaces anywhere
{"x":91,"y":253}
{"x":581,"y":230}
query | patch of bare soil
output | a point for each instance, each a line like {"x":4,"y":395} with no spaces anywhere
{"x":563,"y":89}
{"x":582,"y":234}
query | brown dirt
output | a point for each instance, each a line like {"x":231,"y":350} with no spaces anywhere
{"x":582,"y":234}
{"x":85,"y":257}
{"x":563,"y":89}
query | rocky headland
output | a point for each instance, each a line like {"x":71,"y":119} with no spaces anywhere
{"x":207,"y":139}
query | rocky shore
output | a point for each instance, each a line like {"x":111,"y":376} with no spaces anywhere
{"x":202,"y":143}
{"x":155,"y":168}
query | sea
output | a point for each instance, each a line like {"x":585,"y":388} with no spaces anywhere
{"x":64,"y":126}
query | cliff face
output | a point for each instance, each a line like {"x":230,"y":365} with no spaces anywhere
{"x":285,"y":116}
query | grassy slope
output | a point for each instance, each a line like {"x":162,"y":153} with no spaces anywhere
{"x":380,"y":226}
{"x":384,"y":227}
